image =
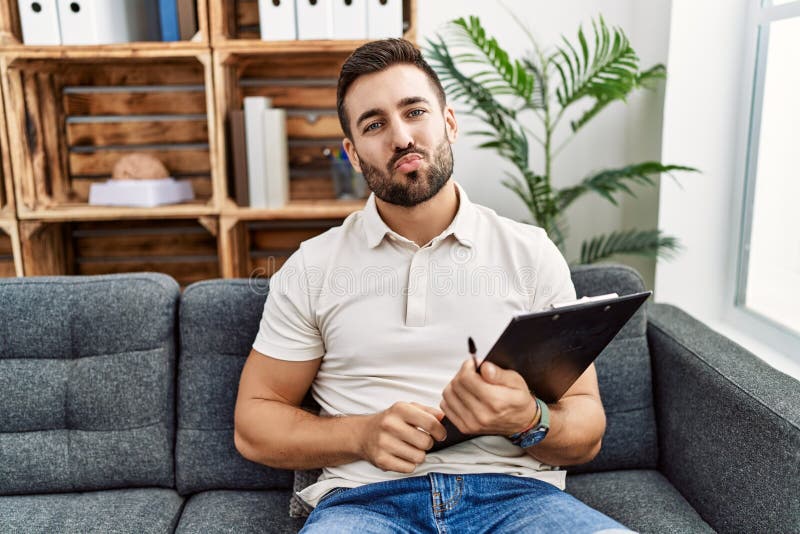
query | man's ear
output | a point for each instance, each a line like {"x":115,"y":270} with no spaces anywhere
{"x":350,"y":148}
{"x":450,"y":124}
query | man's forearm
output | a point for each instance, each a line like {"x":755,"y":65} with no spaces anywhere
{"x":283,"y":436}
{"x":577,"y":424}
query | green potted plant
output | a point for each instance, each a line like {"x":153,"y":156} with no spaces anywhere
{"x":547,"y":84}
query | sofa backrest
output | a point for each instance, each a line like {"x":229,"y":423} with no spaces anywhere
{"x":624,"y":377}
{"x":218,"y":323}
{"x":87,"y":367}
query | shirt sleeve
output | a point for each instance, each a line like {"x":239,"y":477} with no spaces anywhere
{"x":553,"y":278}
{"x":288,"y":330}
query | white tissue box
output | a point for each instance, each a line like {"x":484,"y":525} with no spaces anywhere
{"x":140,"y":193}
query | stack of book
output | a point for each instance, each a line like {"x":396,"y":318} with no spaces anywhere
{"x":260,"y":154}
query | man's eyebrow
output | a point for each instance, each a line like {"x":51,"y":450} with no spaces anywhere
{"x":407,"y":101}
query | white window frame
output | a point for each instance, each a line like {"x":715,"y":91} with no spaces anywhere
{"x":736,"y":316}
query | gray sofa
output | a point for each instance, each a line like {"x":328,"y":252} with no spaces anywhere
{"x":118,"y":394}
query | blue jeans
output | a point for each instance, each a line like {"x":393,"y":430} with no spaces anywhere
{"x":440,"y":503}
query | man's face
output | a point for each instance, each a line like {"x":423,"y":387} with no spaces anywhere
{"x":400,"y":136}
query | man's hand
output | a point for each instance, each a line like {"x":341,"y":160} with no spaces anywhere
{"x":392,"y":439}
{"x":494,"y":401}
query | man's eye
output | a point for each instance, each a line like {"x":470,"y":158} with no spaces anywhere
{"x":370,"y":127}
{"x":421,"y":111}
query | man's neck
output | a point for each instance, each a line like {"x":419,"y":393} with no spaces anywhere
{"x":422,"y":222}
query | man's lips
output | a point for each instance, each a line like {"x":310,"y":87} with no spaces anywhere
{"x":408,"y":163}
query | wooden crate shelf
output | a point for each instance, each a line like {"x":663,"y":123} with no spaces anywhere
{"x":237,"y":21}
{"x":305,"y":85}
{"x":11,"y":32}
{"x":70,"y":120}
{"x":72,"y":111}
{"x":185,"y":249}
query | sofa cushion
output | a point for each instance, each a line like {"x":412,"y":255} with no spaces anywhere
{"x":624,"y":377}
{"x":218,"y":323}
{"x":643,"y":500}
{"x":238,"y":511}
{"x":123,"y":510}
{"x":87,"y":366}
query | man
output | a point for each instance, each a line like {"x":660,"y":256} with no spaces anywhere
{"x":374,"y":316}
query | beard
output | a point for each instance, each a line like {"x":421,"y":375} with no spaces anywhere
{"x":422,"y":183}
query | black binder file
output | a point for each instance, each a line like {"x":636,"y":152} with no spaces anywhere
{"x":551,"y":349}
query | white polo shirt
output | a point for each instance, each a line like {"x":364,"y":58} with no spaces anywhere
{"x":390,"y":320}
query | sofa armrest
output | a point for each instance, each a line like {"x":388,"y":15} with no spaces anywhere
{"x":728,"y":426}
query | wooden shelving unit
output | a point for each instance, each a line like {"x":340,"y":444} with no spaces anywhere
{"x":72,"y":111}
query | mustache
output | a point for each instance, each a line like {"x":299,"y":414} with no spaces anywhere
{"x":406,"y":152}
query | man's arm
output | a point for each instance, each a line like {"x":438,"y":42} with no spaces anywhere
{"x":271,"y":429}
{"x":497,"y":401}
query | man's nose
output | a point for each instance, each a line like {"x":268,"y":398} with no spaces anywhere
{"x":402,"y":136}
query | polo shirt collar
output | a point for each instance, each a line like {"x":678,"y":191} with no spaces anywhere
{"x":462,"y":226}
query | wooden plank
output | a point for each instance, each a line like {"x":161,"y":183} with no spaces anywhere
{"x":294,"y":96}
{"x":282,"y":239}
{"x":312,"y":156}
{"x":35,"y":138}
{"x":5,"y":244}
{"x":311,"y":189}
{"x":121,"y":246}
{"x":324,"y":127}
{"x":52,"y":135}
{"x":279,"y":65}
{"x":101,"y":162}
{"x":137,"y":132}
{"x":136,"y":103}
{"x":185,"y":72}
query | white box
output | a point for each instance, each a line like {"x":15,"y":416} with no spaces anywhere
{"x":254,"y":107}
{"x":278,"y":22}
{"x":91,"y":22}
{"x":349,"y":19}
{"x":39,"y":21}
{"x":384,"y":18}
{"x":140,"y":193}
{"x":314,"y":19}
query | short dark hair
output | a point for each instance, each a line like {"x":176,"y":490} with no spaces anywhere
{"x":376,"y":56}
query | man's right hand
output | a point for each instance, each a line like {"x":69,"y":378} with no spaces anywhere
{"x":392,"y":440}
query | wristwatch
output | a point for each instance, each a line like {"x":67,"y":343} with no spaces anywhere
{"x":536,"y":433}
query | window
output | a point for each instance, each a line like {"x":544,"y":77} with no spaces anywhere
{"x":768,"y":281}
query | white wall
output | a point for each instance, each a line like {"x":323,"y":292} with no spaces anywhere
{"x":619,"y":136}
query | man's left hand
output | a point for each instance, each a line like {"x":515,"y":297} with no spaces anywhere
{"x":495,"y":401}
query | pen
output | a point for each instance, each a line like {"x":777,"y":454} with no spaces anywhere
{"x":472,"y":351}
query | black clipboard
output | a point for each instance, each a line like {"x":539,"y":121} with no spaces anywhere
{"x":551,"y":349}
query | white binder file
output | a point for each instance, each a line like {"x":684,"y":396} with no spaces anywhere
{"x":39,"y":22}
{"x":384,"y":18}
{"x":87,"y":22}
{"x":277,"y":19}
{"x":314,"y":19}
{"x":276,"y":154}
{"x":349,"y":19}
{"x":254,"y":107}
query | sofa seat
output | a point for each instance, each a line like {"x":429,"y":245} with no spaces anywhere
{"x":238,"y":511}
{"x":643,"y":500}
{"x":133,"y":510}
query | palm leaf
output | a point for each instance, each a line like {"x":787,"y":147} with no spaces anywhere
{"x":507,"y":73}
{"x":648,"y":243}
{"x":605,"y":72}
{"x":610,"y":181}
